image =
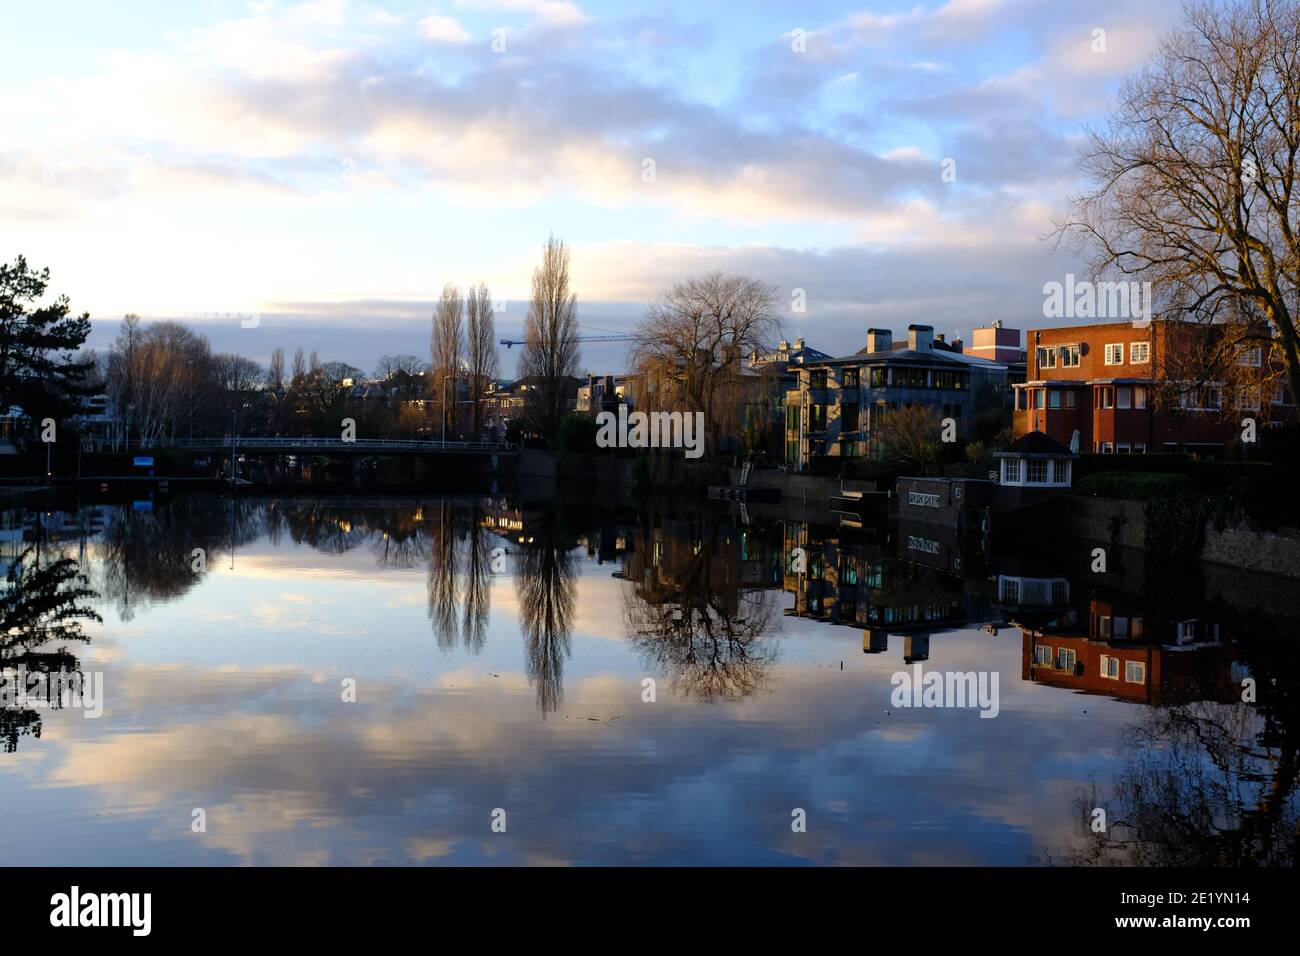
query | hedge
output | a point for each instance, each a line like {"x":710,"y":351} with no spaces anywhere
{"x":1135,"y":485}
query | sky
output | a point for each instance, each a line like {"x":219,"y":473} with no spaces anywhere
{"x":329,"y":165}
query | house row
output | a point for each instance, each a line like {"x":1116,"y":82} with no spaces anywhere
{"x":1142,"y":386}
{"x":837,"y":405}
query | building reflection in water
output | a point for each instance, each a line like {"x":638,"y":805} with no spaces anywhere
{"x":1203,"y":775}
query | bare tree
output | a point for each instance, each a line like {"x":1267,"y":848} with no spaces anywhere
{"x":1195,"y":179}
{"x":447,"y":349}
{"x":299,"y":367}
{"x":909,"y":437}
{"x":275,"y":372}
{"x":159,"y":377}
{"x":481,"y":352}
{"x":550,"y":354}
{"x":688,"y":355}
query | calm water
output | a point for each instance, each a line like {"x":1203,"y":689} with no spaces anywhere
{"x":499,"y":658}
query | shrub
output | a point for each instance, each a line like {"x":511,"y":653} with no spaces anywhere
{"x":1135,"y":485}
{"x":577,"y":433}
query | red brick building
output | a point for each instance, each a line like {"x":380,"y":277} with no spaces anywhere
{"x":1099,"y":379}
{"x":1121,"y":654}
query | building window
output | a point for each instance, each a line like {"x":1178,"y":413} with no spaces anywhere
{"x":1106,"y":396}
{"x":1251,"y":357}
{"x":1054,"y":398}
{"x":849,"y":378}
{"x":1042,"y":654}
{"x":848,"y":449}
{"x":1065,"y":659}
{"x":1011,"y":470}
{"x":1071,"y":398}
{"x":1124,"y":397}
{"x":1036,"y":471}
{"x":1115,"y":354}
{"x":879,"y":377}
{"x":1139,"y":448}
{"x":1135,"y":672}
{"x":1110,"y":667}
{"x":849,"y":417}
{"x":1122,"y":448}
{"x":1107,"y":448}
{"x":817,"y":378}
{"x":1139,"y":353}
{"x":1046,"y":357}
{"x":909,"y":378}
{"x":1139,"y":396}
{"x":1069,"y":356}
{"x":1209,"y":398}
{"x":1040,"y":398}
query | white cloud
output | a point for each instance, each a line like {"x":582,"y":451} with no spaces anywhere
{"x":550,"y":12}
{"x":444,"y":30}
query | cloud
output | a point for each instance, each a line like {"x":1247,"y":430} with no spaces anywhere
{"x":550,"y":12}
{"x":444,"y":30}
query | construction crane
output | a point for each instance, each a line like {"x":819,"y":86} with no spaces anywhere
{"x":510,"y":343}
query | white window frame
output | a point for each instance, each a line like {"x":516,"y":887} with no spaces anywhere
{"x":1046,"y":356}
{"x":1252,"y":357}
{"x":1140,"y":667}
{"x":1070,"y":352}
{"x":1108,"y":664}
{"x":1133,"y":353}
{"x":1118,"y":352}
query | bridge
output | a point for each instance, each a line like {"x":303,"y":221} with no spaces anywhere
{"x":374,"y":446}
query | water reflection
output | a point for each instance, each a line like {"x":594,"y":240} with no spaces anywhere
{"x":696,"y":606}
{"x":41,"y":611}
{"x":544,"y":580}
{"x":501,"y":650}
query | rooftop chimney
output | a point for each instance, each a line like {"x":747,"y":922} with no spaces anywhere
{"x":798,"y":343}
{"x":879,"y":340}
{"x":920,"y":338}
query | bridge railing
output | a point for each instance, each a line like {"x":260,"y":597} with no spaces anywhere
{"x":394,"y":444}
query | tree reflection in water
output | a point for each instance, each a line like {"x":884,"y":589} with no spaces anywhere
{"x":41,"y":604}
{"x":544,"y":580}
{"x":148,"y":556}
{"x":459,"y":579}
{"x":689,"y":616}
{"x":1207,"y":783}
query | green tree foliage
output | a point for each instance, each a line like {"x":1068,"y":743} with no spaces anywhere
{"x":38,"y":368}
